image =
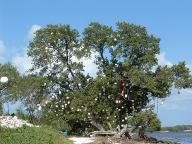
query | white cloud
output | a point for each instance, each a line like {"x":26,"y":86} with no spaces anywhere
{"x":178,"y":101}
{"x":189,"y":91}
{"x":89,"y":66}
{"x":22,"y":62}
{"x":162,"y":60}
{"x":32,"y":30}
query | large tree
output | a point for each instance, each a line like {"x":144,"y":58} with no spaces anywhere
{"x":129,"y":76}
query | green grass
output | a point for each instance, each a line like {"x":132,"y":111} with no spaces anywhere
{"x":28,"y":135}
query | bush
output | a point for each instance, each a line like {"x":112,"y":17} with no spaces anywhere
{"x":29,"y":135}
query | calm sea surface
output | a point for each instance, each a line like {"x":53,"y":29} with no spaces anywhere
{"x":180,"y":137}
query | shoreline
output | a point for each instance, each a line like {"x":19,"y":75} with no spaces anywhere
{"x":111,"y":140}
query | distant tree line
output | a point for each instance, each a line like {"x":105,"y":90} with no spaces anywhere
{"x":177,"y":128}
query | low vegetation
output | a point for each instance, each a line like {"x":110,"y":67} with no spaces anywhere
{"x":29,"y":135}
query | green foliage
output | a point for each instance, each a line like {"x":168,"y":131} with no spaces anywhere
{"x":27,"y":135}
{"x":146,"y":119}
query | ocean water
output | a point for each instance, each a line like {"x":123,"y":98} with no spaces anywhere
{"x":179,"y":137}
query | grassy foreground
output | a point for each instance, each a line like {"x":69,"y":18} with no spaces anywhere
{"x":28,"y":135}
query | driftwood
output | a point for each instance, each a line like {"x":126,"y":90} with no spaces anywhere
{"x":116,"y":133}
{"x":103,"y":133}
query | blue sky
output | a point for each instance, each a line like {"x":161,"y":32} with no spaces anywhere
{"x":169,"y":20}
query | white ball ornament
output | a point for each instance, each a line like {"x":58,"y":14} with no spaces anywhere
{"x":39,"y":108}
{"x":4,"y":79}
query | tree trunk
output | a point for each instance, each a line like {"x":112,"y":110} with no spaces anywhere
{"x":142,"y":133}
{"x":97,"y":125}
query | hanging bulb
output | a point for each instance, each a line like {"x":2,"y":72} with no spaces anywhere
{"x":125,"y":95}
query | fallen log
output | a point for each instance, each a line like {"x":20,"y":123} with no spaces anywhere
{"x":103,"y":133}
